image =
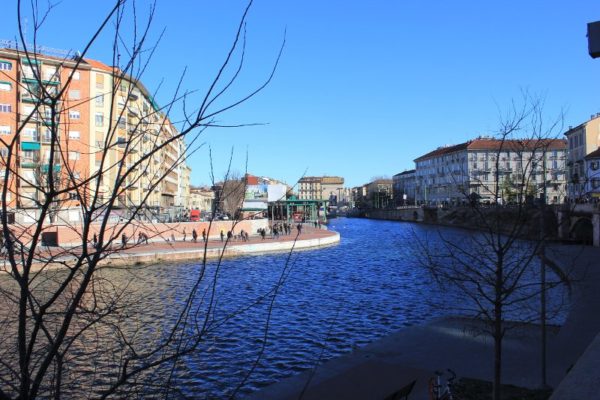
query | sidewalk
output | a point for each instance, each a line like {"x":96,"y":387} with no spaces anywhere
{"x":389,"y":364}
{"x":160,"y":250}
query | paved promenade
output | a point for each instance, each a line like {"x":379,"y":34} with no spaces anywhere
{"x":379,"y":369}
{"x":180,"y":250}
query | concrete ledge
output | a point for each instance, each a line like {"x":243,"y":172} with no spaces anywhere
{"x":232,"y":250}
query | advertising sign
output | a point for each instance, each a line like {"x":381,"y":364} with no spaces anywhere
{"x":277,"y":192}
{"x":256,"y":193}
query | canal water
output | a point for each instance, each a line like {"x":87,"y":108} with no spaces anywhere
{"x":331,"y":301}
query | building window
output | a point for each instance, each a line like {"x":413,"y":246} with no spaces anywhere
{"x":74,"y":135}
{"x":74,"y":155}
{"x":99,"y":81}
{"x":74,"y":114}
{"x":5,"y":130}
{"x":76,"y":75}
{"x":5,"y":66}
{"x":5,"y":86}
{"x":99,"y":119}
{"x":5,"y":108}
{"x":100,"y":100}
{"x":30,"y":133}
{"x":74,"y":94}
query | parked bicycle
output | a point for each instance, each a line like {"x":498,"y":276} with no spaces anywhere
{"x":438,"y":390}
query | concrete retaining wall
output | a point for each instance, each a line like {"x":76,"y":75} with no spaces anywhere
{"x":232,"y":250}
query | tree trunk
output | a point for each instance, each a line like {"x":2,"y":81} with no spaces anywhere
{"x":498,"y":327}
{"x":497,"y":360}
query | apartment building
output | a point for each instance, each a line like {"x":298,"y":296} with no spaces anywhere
{"x":27,"y":122}
{"x":492,"y":169}
{"x":104,"y":122}
{"x":583,"y":140}
{"x":380,"y":193}
{"x":201,"y":198}
{"x":592,"y":168}
{"x":326,"y":188}
{"x":404,"y":187}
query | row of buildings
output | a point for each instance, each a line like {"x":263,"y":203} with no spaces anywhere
{"x":487,"y":170}
{"x":491,"y":170}
{"x":80,"y":124}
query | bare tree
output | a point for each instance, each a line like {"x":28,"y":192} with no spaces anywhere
{"x":497,"y":269}
{"x":66,"y":329}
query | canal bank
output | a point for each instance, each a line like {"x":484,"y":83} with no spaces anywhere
{"x":386,"y":365}
{"x":181,"y":251}
{"x":161,"y":250}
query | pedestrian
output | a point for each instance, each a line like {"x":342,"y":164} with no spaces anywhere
{"x":222,"y":235}
{"x":145,"y":238}
{"x":229,"y":235}
{"x":315,"y":224}
{"x":140,"y":238}
{"x":184,"y":234}
{"x":95,"y":240}
{"x":263,"y":233}
{"x":123,"y":239}
{"x":173,"y":237}
{"x":204,"y":235}
{"x":299,"y":227}
{"x":242,"y":235}
{"x":194,"y":235}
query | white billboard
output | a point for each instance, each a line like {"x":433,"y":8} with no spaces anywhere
{"x":277,"y":192}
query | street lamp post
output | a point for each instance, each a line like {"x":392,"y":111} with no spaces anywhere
{"x":543,"y":274}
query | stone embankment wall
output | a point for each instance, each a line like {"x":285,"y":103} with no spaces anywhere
{"x":466,"y":217}
{"x":411,"y":214}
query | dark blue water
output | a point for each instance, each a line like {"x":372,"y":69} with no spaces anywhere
{"x":332,"y":300}
{"x":328,"y":302}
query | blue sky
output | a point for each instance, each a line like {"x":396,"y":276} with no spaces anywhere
{"x":363,"y":87}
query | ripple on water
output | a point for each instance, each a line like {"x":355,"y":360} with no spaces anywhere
{"x":333,"y":300}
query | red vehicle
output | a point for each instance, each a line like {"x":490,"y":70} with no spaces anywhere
{"x":195,"y":215}
{"x":297,"y":216}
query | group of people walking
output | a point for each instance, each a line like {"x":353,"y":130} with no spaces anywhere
{"x":276,"y":230}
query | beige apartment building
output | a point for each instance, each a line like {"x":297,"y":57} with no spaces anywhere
{"x":202,"y":199}
{"x":324,"y":188}
{"x":449,"y":175}
{"x":102,"y":116}
{"x":583,"y":140}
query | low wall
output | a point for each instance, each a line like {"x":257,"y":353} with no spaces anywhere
{"x":157,"y":232}
{"x":231,"y":250}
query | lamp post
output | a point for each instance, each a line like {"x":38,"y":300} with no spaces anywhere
{"x":543,"y":273}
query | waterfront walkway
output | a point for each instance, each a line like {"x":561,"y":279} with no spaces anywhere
{"x":180,"y":250}
{"x":379,"y":369}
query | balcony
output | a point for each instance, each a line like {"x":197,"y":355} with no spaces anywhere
{"x":30,"y":78}
{"x":46,"y":167}
{"x":30,"y":162}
